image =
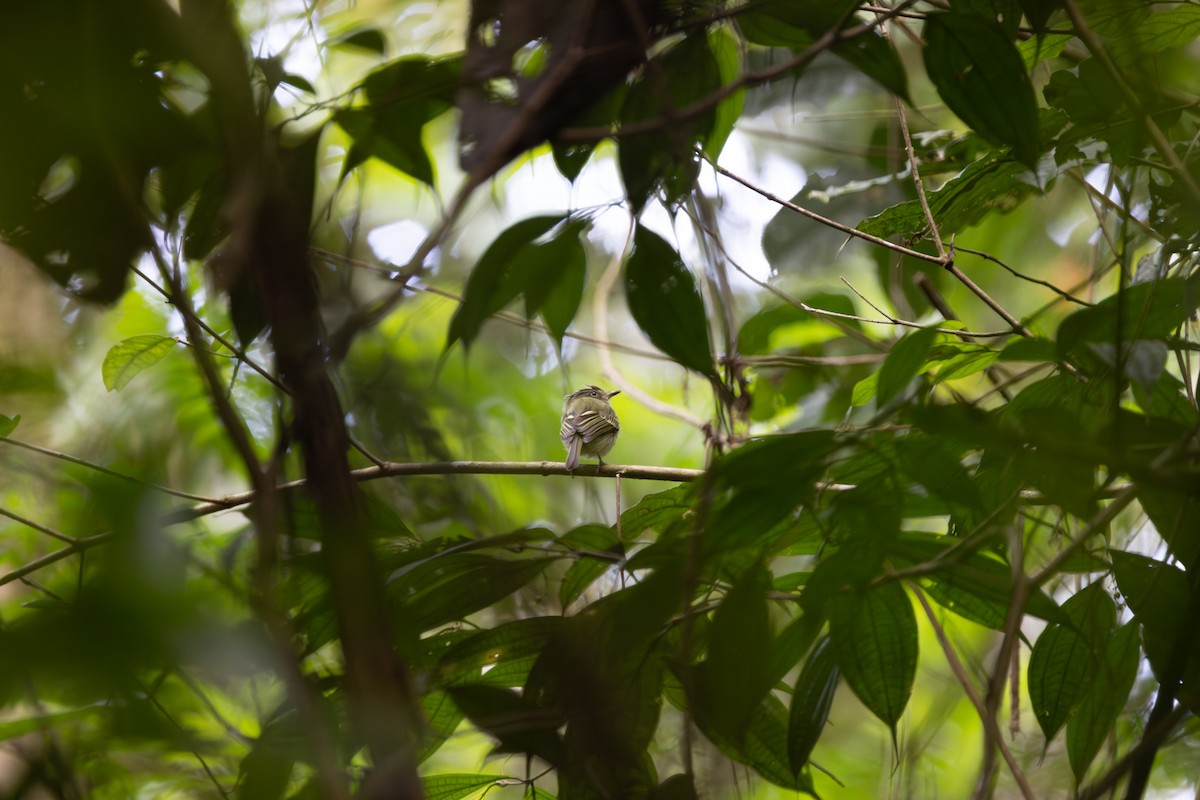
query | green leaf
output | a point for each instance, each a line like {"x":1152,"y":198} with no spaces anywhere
{"x":792,"y":643}
{"x":665,"y":302}
{"x":767,"y":478}
{"x":551,"y":275}
{"x":1065,"y":658}
{"x":129,"y":357}
{"x":972,"y":573}
{"x":12,"y":728}
{"x":1162,"y":30}
{"x":735,"y":677}
{"x":797,"y":24}
{"x":450,"y":587}
{"x":676,"y":787}
{"x":657,"y":512}
{"x":1104,"y":700}
{"x":1023,"y":348}
{"x":1037,"y":49}
{"x":979,"y":73}
{"x":765,"y":747}
{"x":442,"y":718}
{"x":401,"y":97}
{"x":562,"y":300}
{"x":665,"y":157}
{"x":934,"y":465}
{"x":874,"y":636}
{"x":366,"y":38}
{"x":993,"y":185}
{"x":9,"y":424}
{"x":584,"y":572}
{"x":1150,"y":310}
{"x":518,"y":725}
{"x":811,"y":700}
{"x":903,"y":363}
{"x":1155,"y":591}
{"x":1174,"y":515}
{"x":451,"y":786}
{"x":727,"y":54}
{"x":300,"y":82}
{"x":490,"y":287}
{"x":500,"y":656}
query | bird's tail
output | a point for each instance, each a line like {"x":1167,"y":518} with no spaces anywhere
{"x":573,"y":453}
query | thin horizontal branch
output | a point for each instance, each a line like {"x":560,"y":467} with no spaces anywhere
{"x":390,"y":469}
{"x":104,"y":470}
{"x":78,"y":546}
{"x":62,"y":537}
{"x":393,"y":469}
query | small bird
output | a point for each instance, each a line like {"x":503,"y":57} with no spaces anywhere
{"x":589,"y":425}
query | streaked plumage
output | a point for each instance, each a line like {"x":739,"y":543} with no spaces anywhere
{"x":589,"y":425}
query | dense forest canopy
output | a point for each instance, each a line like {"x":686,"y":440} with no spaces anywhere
{"x":900,"y":299}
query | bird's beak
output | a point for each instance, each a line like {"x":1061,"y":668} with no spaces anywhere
{"x":613,"y":393}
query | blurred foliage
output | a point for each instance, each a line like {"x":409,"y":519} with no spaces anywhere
{"x":948,"y":439}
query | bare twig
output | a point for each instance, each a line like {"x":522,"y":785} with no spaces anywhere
{"x":964,"y":680}
{"x":838,"y":226}
{"x":62,"y":537}
{"x":104,"y":470}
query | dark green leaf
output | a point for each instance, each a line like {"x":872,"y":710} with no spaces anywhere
{"x":929,"y":462}
{"x":451,"y":587}
{"x":1175,"y":516}
{"x":370,"y":39}
{"x":1025,"y":349}
{"x":665,"y":157}
{"x":811,"y":700}
{"x":126,"y":359}
{"x":1156,"y":592}
{"x":456,"y":787}
{"x":11,"y":729}
{"x":986,"y":578}
{"x":676,"y":787}
{"x":797,"y":24}
{"x":300,"y":82}
{"x":874,"y":636}
{"x":581,"y":575}
{"x":518,"y":725}
{"x":401,"y":97}
{"x":1005,"y":13}
{"x":561,"y":302}
{"x":1104,"y":699}
{"x":979,"y":73}
{"x":768,"y":479}
{"x":735,"y":677}
{"x":1149,"y":310}
{"x":490,"y":288}
{"x":792,"y":643}
{"x":501,"y":656}
{"x":1038,"y":11}
{"x":665,"y":302}
{"x":903,"y":362}
{"x":1066,"y":658}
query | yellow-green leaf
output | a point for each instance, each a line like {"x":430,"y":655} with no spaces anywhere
{"x":129,"y":357}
